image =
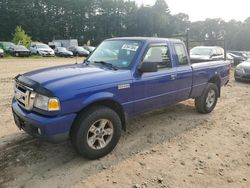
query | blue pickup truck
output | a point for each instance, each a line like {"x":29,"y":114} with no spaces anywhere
{"x":91,"y":102}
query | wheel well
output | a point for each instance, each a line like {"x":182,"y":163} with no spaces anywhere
{"x":110,"y":104}
{"x":216,"y":80}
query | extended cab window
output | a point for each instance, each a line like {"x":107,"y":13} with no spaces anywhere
{"x":181,"y":54}
{"x":159,"y":55}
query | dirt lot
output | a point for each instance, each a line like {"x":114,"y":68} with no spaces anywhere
{"x":173,"y":147}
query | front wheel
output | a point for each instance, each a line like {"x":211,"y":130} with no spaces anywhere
{"x":208,"y":100}
{"x":96,"y":132}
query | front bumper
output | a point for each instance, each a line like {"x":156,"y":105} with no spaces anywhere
{"x":54,"y":129}
{"x":47,"y":54}
{"x":22,"y":53}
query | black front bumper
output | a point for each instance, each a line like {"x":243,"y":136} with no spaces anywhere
{"x":33,"y":130}
{"x":22,"y":54}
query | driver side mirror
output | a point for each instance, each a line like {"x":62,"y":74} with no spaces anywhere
{"x":148,"y":67}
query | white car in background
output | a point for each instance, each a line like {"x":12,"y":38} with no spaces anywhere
{"x":1,"y":52}
{"x":206,"y":53}
{"x":41,"y":49}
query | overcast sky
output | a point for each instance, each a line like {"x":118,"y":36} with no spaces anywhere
{"x":200,"y":9}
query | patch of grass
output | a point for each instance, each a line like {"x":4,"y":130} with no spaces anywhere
{"x":8,"y":56}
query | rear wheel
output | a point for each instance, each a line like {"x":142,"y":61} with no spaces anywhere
{"x":96,"y":132}
{"x":16,"y":54}
{"x":208,"y":100}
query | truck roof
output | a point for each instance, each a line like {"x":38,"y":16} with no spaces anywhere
{"x":147,"y":39}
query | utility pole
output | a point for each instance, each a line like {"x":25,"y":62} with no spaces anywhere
{"x":187,"y":41}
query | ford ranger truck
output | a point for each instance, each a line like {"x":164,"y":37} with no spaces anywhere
{"x":91,"y":102}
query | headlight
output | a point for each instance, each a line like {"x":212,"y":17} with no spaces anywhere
{"x":46,"y":103}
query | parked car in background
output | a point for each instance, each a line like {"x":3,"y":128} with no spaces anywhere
{"x":248,"y":54}
{"x":63,"y":52}
{"x":63,"y":43}
{"x":41,"y":49}
{"x":230,"y":59}
{"x":5,"y":45}
{"x":236,"y":59}
{"x":241,"y":54}
{"x":78,"y":51}
{"x":19,"y":51}
{"x":1,"y":52}
{"x":242,"y":71}
{"x":89,"y":48}
{"x":206,"y":53}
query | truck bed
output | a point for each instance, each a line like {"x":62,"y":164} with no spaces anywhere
{"x":205,"y":71}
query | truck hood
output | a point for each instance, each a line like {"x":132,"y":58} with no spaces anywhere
{"x":76,"y":77}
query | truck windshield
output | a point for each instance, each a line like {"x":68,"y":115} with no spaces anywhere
{"x":118,"y":53}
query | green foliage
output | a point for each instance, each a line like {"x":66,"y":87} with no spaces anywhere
{"x":96,"y":20}
{"x":20,"y":37}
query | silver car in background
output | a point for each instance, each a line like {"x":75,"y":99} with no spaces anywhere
{"x":206,"y":53}
{"x":41,"y":49}
{"x":1,"y":52}
{"x":242,"y":71}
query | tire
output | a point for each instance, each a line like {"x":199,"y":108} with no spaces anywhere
{"x":85,"y":137}
{"x":16,"y":54}
{"x":208,"y":100}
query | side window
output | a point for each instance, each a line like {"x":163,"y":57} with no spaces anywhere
{"x":181,"y":54}
{"x":215,"y":52}
{"x":221,"y":51}
{"x":159,"y":55}
{"x":218,"y":51}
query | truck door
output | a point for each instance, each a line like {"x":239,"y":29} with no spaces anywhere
{"x":153,"y":90}
{"x":183,"y":73}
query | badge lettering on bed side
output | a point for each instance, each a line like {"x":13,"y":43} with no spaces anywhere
{"x":123,"y":86}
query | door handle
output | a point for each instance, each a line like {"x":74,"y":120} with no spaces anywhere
{"x":173,"y":76}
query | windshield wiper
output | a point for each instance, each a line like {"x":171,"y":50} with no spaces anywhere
{"x":86,"y":62}
{"x":107,"y":64}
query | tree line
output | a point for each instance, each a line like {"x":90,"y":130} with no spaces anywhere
{"x":96,"y":20}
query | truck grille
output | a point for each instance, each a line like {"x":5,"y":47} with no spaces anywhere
{"x":24,"y":96}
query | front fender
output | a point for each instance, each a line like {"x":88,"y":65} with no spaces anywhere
{"x":98,"y":97}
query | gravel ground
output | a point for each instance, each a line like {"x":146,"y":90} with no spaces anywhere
{"x":172,"y":147}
